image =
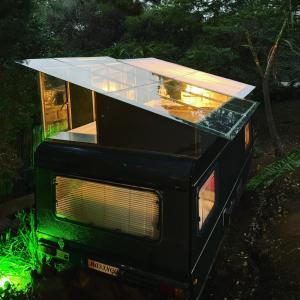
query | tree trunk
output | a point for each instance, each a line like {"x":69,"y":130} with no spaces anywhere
{"x":270,"y":119}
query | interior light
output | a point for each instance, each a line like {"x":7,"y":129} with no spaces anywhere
{"x":194,"y":89}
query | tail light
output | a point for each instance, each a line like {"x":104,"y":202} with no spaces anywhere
{"x":169,"y":290}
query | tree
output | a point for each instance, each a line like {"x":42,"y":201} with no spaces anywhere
{"x":266,"y":66}
{"x":265,"y":77}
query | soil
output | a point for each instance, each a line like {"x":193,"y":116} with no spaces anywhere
{"x":260,"y":255}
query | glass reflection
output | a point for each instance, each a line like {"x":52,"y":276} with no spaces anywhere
{"x":177,"y":99}
{"x":55,"y":107}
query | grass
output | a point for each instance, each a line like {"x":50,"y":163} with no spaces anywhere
{"x":20,"y":254}
{"x":267,"y":176}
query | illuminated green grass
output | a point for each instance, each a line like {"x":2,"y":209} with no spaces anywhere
{"x":20,"y":255}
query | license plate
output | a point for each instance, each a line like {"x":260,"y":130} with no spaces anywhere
{"x":92,"y":264}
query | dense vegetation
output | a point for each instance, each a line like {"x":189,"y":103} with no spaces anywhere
{"x":210,"y":35}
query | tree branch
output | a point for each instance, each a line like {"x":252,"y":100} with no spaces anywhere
{"x":254,"y":54}
{"x":274,"y":49}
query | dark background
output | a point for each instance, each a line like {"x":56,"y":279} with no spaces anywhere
{"x":205,"y":35}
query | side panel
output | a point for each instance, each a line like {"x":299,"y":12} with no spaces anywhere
{"x":231,"y":166}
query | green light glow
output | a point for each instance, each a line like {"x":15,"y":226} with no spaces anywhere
{"x":20,"y":254}
{"x":39,"y":135}
{"x":3,"y":282}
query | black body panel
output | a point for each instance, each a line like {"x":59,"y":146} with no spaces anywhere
{"x":168,"y":175}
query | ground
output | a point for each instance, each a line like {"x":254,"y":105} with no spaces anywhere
{"x":260,"y":255}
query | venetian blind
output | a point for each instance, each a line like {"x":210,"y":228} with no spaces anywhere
{"x":118,"y":208}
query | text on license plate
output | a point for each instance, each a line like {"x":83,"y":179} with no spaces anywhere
{"x":92,"y":264}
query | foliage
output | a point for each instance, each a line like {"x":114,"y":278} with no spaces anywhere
{"x":273,"y":171}
{"x":172,"y":24}
{"x":20,"y":254}
{"x":9,"y":165}
{"x":86,"y":26}
{"x":202,"y":34}
{"x":161,"y":50}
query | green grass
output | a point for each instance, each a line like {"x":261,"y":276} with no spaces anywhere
{"x":20,"y":254}
{"x":270,"y":173}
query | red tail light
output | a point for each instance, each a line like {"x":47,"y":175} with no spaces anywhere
{"x":169,"y":290}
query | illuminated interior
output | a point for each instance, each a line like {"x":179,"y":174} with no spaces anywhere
{"x":177,"y":99}
{"x":124,"y":209}
{"x":247,"y":136}
{"x":201,"y":100}
{"x":206,"y":199}
{"x":68,"y":110}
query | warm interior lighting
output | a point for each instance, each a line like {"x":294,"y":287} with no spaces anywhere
{"x":206,"y":199}
{"x":247,"y":136}
{"x":109,"y":85}
{"x":66,"y":109}
{"x":54,"y":103}
{"x":86,"y":129}
{"x":200,"y":97}
{"x":118,"y":208}
{"x":194,"y":89}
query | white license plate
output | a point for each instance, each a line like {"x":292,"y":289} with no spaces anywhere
{"x":92,"y":264}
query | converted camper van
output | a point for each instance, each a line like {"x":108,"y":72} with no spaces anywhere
{"x":142,"y":163}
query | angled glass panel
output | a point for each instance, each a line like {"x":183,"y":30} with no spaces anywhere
{"x":160,"y":67}
{"x":126,"y":74}
{"x":157,"y":99}
{"x":90,"y":64}
{"x":113,"y":70}
{"x":167,"y":89}
{"x":217,"y":83}
{"x":80,"y":76}
{"x":86,"y":61}
{"x":229,"y":119}
{"x":193,"y":77}
{"x":213,"y":112}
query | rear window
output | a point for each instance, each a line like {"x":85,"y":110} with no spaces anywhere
{"x":118,"y":208}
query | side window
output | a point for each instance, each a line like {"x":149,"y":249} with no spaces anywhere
{"x":55,"y":104}
{"x":206,"y":198}
{"x":247,"y":136}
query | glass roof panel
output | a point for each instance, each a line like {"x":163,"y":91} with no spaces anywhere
{"x":193,"y":77}
{"x":74,"y":74}
{"x":160,"y":67}
{"x":85,"y":61}
{"x":218,"y":84}
{"x":154,"y":98}
{"x":227,"y":122}
{"x":216,"y":113}
{"x":126,"y":74}
{"x":195,"y":98}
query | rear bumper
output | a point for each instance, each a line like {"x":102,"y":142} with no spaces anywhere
{"x":78,"y":256}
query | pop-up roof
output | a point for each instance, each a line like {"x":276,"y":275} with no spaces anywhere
{"x":198,"y":99}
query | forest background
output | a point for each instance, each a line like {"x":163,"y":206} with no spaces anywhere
{"x":219,"y":37}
